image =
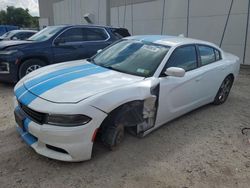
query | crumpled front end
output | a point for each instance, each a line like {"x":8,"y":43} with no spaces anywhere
{"x":54,"y":141}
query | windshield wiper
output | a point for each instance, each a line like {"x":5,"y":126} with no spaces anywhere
{"x":91,"y":60}
{"x":112,"y":68}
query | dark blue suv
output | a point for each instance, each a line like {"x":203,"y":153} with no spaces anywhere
{"x":54,"y":44}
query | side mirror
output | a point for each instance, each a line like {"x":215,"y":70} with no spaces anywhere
{"x":175,"y":71}
{"x":14,"y":38}
{"x":98,"y":51}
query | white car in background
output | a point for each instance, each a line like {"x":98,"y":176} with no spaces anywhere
{"x":138,"y":83}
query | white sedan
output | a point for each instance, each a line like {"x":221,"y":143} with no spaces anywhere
{"x":138,"y":83}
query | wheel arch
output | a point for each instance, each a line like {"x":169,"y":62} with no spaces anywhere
{"x":124,"y":108}
{"x":231,"y":75}
{"x":42,"y":58}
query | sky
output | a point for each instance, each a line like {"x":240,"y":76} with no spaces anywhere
{"x":32,"y":5}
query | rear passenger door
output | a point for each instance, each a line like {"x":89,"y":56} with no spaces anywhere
{"x":70,"y":45}
{"x":95,"y":39}
{"x":213,"y":69}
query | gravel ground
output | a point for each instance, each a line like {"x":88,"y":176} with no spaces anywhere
{"x":204,"y":148}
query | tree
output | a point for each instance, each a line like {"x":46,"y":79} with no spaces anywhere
{"x":18,"y":16}
{"x":2,"y":17}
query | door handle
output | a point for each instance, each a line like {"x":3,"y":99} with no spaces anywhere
{"x":198,"y":79}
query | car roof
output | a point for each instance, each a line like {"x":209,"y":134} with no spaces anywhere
{"x":171,"y":41}
{"x":86,"y":25}
{"x":22,"y":30}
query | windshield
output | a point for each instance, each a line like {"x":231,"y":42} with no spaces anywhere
{"x":132,"y":57}
{"x":6,"y":34}
{"x":45,"y":34}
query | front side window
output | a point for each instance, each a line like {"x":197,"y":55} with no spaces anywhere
{"x":94,"y":34}
{"x":18,"y":36}
{"x":183,"y":57}
{"x":207,"y":55}
{"x":134,"y":57}
{"x":72,"y":35}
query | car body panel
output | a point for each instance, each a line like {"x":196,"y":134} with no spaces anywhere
{"x":75,"y":79}
{"x":80,"y":87}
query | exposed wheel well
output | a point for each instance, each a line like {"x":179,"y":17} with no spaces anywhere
{"x":137,"y":116}
{"x":126,"y":110}
{"x":231,"y":75}
{"x":126,"y":115}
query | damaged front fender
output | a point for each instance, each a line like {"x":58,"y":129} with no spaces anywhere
{"x":138,"y":115}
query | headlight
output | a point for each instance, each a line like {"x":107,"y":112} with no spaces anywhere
{"x":8,"y":52}
{"x":67,"y":120}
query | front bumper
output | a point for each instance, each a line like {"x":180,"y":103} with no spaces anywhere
{"x":8,"y":70}
{"x":61,"y":143}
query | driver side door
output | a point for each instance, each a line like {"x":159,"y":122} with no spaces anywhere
{"x":179,"y":95}
{"x":70,"y":45}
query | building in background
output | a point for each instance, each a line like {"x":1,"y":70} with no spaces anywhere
{"x":223,"y":22}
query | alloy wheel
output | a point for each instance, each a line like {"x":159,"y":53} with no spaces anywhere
{"x":32,"y":68}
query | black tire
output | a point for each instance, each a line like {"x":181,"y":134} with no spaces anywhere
{"x":29,"y":66}
{"x":113,"y":136}
{"x":224,"y":90}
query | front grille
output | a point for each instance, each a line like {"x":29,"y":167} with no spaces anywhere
{"x":38,"y":117}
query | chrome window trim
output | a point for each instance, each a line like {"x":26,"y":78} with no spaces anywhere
{"x":108,"y":35}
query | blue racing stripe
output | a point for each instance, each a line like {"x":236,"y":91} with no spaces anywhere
{"x":30,"y":83}
{"x":43,"y":78}
{"x":19,"y":91}
{"x":26,"y":136}
{"x":28,"y":97}
{"x":26,"y":124}
{"x":29,"y":139}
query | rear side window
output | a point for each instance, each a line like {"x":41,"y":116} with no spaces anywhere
{"x":217,"y":55}
{"x":28,"y":35}
{"x":184,"y":57}
{"x":94,"y":34}
{"x":207,"y":54}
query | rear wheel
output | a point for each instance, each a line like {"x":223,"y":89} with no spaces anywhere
{"x":224,"y":90}
{"x":29,"y":66}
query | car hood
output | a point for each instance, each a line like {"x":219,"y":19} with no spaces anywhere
{"x":8,"y":43}
{"x":74,"y":81}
